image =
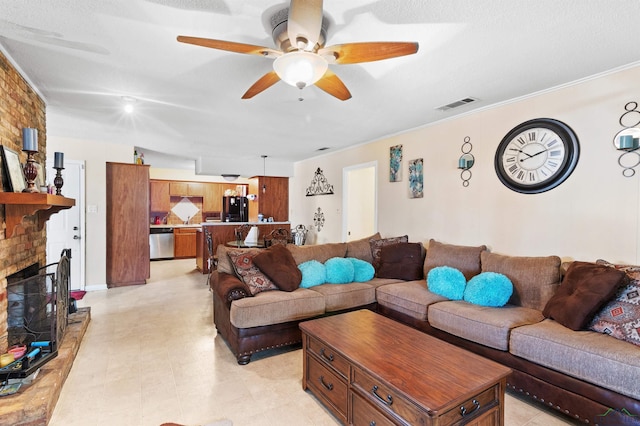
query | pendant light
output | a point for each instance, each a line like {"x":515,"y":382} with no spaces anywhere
{"x":264,"y":173}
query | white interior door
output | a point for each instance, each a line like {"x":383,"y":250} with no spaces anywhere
{"x":65,"y":229}
{"x":360,"y":215}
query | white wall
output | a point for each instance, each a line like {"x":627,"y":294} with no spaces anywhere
{"x":594,"y":214}
{"x":96,"y":155}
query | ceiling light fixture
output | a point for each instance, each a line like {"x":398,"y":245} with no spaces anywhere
{"x":128,"y":104}
{"x":300,"y":68}
{"x":230,"y":177}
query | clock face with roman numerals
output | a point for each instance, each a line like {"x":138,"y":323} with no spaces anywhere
{"x":537,"y":156}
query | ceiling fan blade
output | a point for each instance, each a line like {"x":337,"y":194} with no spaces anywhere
{"x":231,"y":46}
{"x":305,"y":22}
{"x":332,"y":84}
{"x":266,"y":81}
{"x":354,"y":53}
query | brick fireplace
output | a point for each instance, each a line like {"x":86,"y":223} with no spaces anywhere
{"x":20,"y":106}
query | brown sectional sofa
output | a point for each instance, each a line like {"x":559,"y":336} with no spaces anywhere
{"x":590,"y":377}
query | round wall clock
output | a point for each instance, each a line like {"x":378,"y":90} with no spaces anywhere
{"x":537,"y":156}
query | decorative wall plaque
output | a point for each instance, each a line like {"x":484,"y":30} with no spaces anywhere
{"x":416,"y":185}
{"x":319,"y":185}
{"x":318,"y":219}
{"x":395,"y":163}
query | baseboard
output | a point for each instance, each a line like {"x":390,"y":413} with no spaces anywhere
{"x":96,"y":287}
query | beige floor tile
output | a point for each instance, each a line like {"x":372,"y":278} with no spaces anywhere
{"x":151,"y":355}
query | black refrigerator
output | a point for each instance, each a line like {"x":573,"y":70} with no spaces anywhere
{"x":235,"y":209}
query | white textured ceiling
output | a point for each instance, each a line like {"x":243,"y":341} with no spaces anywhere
{"x":84,"y":56}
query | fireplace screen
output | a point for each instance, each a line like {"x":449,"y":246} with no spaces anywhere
{"x":37,"y":317}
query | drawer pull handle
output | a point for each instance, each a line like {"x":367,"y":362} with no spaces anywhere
{"x":328,"y":358}
{"x":328,"y":386}
{"x":476,"y":407}
{"x":372,"y":423}
{"x":388,"y":401}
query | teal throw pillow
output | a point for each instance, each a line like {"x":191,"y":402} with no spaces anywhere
{"x":313,"y":273}
{"x":339,"y":270}
{"x":447,"y":282}
{"x":362,"y":270}
{"x":489,"y":289}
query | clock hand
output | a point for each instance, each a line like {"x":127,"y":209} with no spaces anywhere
{"x":521,"y":151}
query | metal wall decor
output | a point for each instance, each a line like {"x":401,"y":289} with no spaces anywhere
{"x":319,"y":185}
{"x":318,"y":219}
{"x":395,"y":163}
{"x":466,"y":161}
{"x":416,"y":182}
{"x":628,"y":139}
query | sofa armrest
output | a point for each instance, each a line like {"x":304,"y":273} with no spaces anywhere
{"x":228,"y":287}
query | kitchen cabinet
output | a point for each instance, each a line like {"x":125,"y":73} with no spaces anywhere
{"x":159,"y":196}
{"x":273,"y":202}
{"x":186,"y":189}
{"x":212,"y":198}
{"x":127,"y":235}
{"x":184,"y":242}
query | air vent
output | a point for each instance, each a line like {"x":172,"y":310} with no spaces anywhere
{"x":457,"y":104}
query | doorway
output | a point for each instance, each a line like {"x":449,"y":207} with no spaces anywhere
{"x":66,"y":228}
{"x":360,"y":201}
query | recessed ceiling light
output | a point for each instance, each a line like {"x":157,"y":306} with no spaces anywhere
{"x":128,"y":104}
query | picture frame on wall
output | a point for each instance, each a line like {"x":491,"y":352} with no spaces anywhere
{"x":13,"y":170}
{"x":416,"y":182}
{"x":395,"y":163}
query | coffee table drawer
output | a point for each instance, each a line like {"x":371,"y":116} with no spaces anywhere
{"x":387,"y":399}
{"x":329,"y":356}
{"x":365,"y":414}
{"x":327,"y":385}
{"x":473,"y":406}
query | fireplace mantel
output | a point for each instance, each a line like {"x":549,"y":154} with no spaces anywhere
{"x":21,"y":204}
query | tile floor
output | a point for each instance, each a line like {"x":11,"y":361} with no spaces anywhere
{"x":151,"y":355}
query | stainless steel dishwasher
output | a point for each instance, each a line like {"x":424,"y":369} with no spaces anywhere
{"x":161,"y":242}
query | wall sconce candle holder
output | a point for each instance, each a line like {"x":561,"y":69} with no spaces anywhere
{"x":627,"y":140}
{"x":466,"y":161}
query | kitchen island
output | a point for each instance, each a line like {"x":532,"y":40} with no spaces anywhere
{"x":223,"y":232}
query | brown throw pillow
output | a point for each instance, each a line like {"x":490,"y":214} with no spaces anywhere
{"x":466,"y":259}
{"x":584,"y":290}
{"x":278,"y":264}
{"x":376,"y":246}
{"x":256,"y":280}
{"x":401,"y":261}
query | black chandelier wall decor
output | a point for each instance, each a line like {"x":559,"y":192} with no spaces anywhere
{"x":319,"y":185}
{"x":318,"y":219}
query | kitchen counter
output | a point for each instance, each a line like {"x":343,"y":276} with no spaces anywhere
{"x":191,"y":225}
{"x":244,"y":223}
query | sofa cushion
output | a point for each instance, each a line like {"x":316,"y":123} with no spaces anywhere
{"x":320,"y":252}
{"x":584,"y":290}
{"x":278,"y":264}
{"x":361,"y":249}
{"x":586,"y":355}
{"x":362,"y":270}
{"x":345,"y":296}
{"x":464,"y":258}
{"x":408,"y":297}
{"x":488,"y":326}
{"x":224,"y":262}
{"x":250,"y":274}
{"x":313,"y":273}
{"x":339,"y":270}
{"x":376,"y":247}
{"x":447,"y":282}
{"x":403,"y":261}
{"x":488,"y":289}
{"x":275,"y":307}
{"x":534,"y":279}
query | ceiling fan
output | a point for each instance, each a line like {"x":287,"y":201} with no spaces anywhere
{"x":302,"y":59}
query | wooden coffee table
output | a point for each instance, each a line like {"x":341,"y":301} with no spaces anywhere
{"x":370,"y":370}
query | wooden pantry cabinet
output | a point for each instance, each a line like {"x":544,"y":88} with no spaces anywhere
{"x":127,"y":224}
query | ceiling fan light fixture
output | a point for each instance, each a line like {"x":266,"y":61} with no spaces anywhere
{"x":300,"y":68}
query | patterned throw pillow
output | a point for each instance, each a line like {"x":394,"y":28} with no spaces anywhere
{"x":620,"y":318}
{"x":376,"y":247}
{"x":242,"y":261}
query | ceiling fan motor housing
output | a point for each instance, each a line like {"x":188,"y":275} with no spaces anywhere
{"x":279,"y":31}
